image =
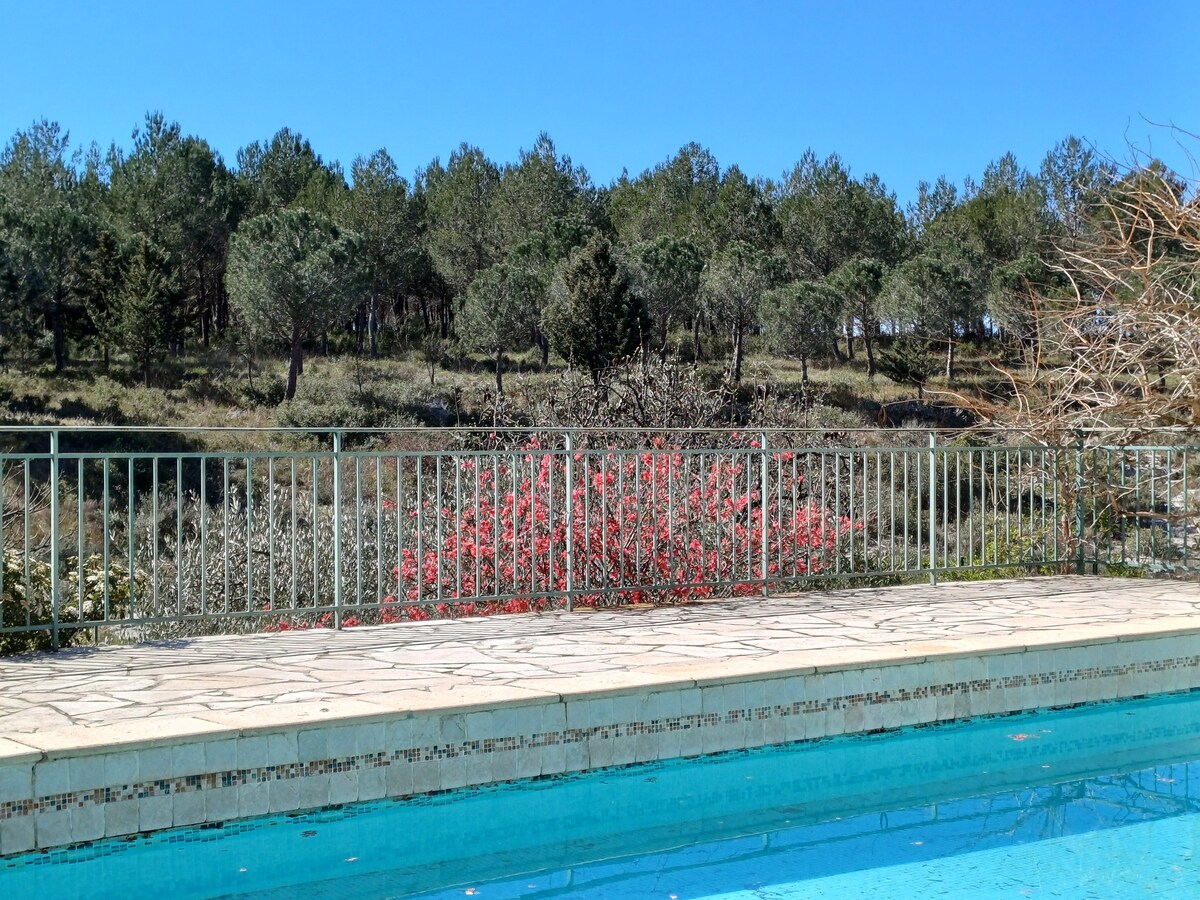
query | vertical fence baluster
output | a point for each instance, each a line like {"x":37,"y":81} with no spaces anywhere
{"x":203,"y":534}
{"x":294,"y":539}
{"x":271,"y":533}
{"x":337,"y":529}
{"x":314,"y":521}
{"x":569,"y":512}
{"x":154,"y":536}
{"x":104,"y":537}
{"x":381,"y":590}
{"x":55,"y":594}
{"x":227,"y":504}
{"x":131,"y":539}
{"x":458,"y":505}
{"x":4,"y":545}
{"x":437,"y":525}
{"x":178,"y":534}
{"x":249,"y":534}
{"x":933,"y":516}
{"x":400,"y":506}
{"x":1079,"y":503}
{"x":358,"y":531}
{"x":80,"y":568}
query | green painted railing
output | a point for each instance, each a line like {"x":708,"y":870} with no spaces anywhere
{"x":129,"y":534}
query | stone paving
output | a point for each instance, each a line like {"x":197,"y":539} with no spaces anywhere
{"x":85,"y":696}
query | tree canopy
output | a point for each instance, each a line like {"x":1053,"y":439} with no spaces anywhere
{"x":293,"y":272}
{"x":282,"y":250}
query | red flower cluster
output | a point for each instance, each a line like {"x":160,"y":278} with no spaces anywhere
{"x":661,"y":524}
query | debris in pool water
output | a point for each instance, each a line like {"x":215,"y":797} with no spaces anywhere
{"x":307,"y":834}
{"x":1021,"y":736}
{"x":351,"y":859}
{"x":1164,"y":780}
{"x":917,"y":843}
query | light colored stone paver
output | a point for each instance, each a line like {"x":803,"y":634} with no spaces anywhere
{"x":86,"y":698}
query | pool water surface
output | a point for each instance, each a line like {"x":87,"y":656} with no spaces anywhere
{"x":1096,"y":801}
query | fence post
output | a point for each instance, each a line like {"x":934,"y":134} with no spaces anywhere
{"x":763,"y":481}
{"x":933,"y":511}
{"x":1078,"y":502}
{"x":54,"y":548}
{"x":337,"y":529}
{"x":569,"y":512}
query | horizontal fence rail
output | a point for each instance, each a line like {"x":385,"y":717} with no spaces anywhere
{"x":138,"y":534}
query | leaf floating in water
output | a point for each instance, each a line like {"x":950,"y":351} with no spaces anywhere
{"x":309,"y":833}
{"x":351,"y":859}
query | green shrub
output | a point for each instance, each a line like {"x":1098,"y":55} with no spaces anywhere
{"x":27,"y":603}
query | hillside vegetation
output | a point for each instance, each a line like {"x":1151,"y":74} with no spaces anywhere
{"x":161,"y":284}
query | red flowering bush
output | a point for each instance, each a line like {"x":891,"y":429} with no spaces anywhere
{"x":503,"y":534}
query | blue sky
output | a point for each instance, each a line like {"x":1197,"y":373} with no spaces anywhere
{"x":909,"y":90}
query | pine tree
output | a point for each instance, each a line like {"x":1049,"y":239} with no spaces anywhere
{"x":144,"y":316}
{"x":101,"y":285}
{"x":593,"y":318}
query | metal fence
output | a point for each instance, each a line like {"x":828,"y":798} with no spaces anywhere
{"x":127,"y":534}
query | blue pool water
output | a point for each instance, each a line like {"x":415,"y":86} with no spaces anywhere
{"x":1100,"y":801}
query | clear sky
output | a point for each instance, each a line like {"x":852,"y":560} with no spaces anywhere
{"x":909,"y":89}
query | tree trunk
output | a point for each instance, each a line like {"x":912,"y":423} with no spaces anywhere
{"x":950,"y":359}
{"x":499,"y":373}
{"x":837,"y":349}
{"x":324,"y":343}
{"x":222,"y":308}
{"x":850,"y":337}
{"x":296,"y":364}
{"x":205,"y":310}
{"x":737,"y":356}
{"x":60,"y":332}
{"x":696,"y":339}
{"x":869,"y":346}
{"x":804,"y":368}
{"x":106,"y":357}
{"x":373,"y":326}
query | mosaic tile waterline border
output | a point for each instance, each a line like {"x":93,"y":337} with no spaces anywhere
{"x":567,"y":736}
{"x":218,"y":831}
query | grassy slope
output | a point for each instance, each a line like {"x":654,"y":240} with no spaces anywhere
{"x":216,"y":390}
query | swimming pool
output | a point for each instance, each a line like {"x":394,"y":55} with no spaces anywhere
{"x":1100,"y":800}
